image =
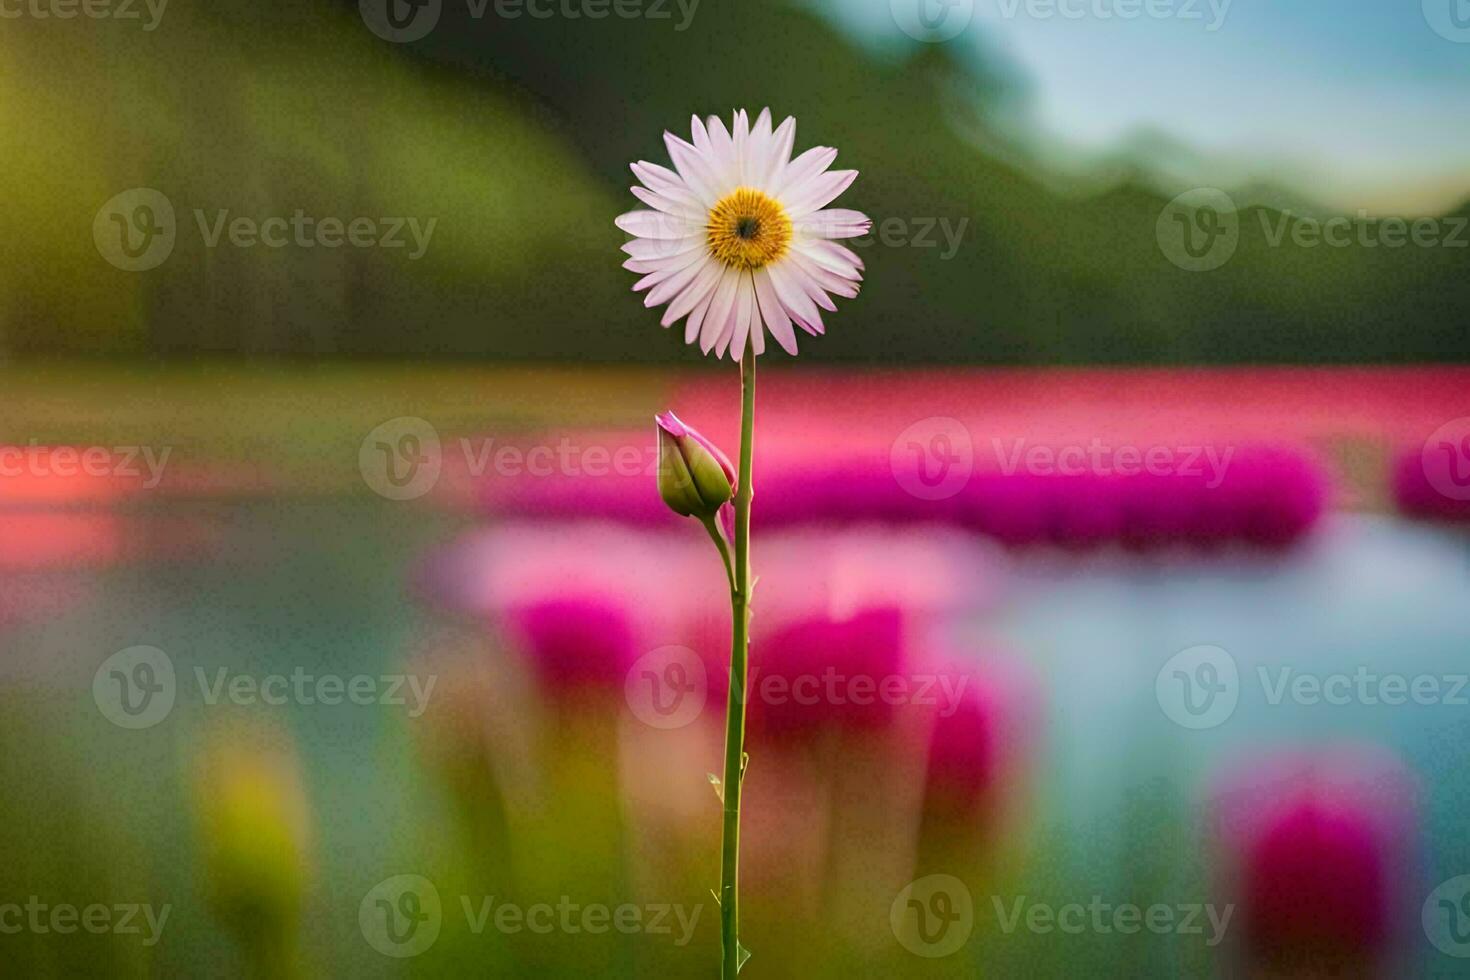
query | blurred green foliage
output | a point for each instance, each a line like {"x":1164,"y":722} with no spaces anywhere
{"x":514,"y":135}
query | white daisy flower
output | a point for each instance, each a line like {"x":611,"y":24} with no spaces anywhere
{"x":739,"y":234}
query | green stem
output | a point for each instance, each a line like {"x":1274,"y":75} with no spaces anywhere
{"x":735,"y":704}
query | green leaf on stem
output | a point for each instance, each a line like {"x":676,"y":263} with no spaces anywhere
{"x":719,"y":787}
{"x":741,"y":955}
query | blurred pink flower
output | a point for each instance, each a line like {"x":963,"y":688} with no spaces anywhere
{"x":819,"y":671}
{"x":574,"y":640}
{"x":984,"y":727}
{"x":1268,"y":496}
{"x":1416,"y":496}
{"x":1319,"y":850}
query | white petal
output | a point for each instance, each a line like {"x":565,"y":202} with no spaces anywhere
{"x":803,"y":168}
{"x":662,"y":180}
{"x":699,"y":290}
{"x":723,"y":343}
{"x":720,"y":309}
{"x":656,"y":224}
{"x":741,"y":137}
{"x":817,"y":192}
{"x":688,"y":210}
{"x":813,"y":288}
{"x":776,"y":320}
{"x":834,"y":223}
{"x":778,"y":153}
{"x":793,"y":297}
{"x":697,"y":315}
{"x":661,"y":249}
{"x":745,"y":315}
{"x":757,"y":148}
{"x":668,"y":284}
{"x":818,"y":281}
{"x":828,"y":281}
{"x":641,"y":266}
{"x":701,"y":138}
{"x":834,"y":258}
{"x":693,"y":167}
{"x":722,"y":153}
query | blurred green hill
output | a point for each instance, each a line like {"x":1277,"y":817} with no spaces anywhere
{"x":516,"y":134}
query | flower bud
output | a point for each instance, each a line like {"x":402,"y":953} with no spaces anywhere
{"x":694,"y":477}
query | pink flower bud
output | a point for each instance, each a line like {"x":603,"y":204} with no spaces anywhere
{"x":694,"y":477}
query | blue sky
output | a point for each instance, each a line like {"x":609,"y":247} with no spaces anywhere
{"x":1356,"y":103}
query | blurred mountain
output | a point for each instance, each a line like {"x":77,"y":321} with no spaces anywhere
{"x":516,"y":134}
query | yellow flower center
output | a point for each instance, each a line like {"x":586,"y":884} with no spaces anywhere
{"x":747,"y":229}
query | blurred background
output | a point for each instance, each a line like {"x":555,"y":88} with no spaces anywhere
{"x":342,"y":631}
